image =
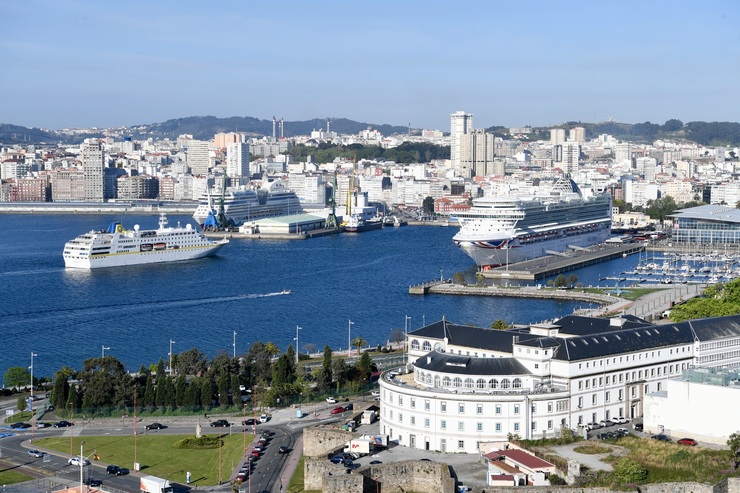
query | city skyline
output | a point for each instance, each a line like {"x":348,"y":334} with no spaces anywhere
{"x":84,"y":64}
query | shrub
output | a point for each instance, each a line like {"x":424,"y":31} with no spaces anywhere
{"x":628,"y":471}
{"x":556,"y":480}
{"x":204,"y":442}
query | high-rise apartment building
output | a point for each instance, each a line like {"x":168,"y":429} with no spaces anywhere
{"x":461,"y":123}
{"x":577,"y":134}
{"x":198,"y":157}
{"x":557,"y":136}
{"x":571,"y":153}
{"x":93,"y":169}
{"x":476,"y":153}
{"x":237,"y":160}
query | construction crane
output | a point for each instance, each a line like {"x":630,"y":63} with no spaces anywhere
{"x":331,"y":219}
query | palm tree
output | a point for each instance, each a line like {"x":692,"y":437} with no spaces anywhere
{"x":271,"y":349}
{"x":359,"y":342}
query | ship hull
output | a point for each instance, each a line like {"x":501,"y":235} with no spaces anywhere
{"x":366,"y":226}
{"x":495,"y":252}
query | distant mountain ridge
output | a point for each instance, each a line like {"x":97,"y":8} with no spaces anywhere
{"x":204,"y":127}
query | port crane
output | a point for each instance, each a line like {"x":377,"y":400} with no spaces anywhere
{"x":331,"y":219}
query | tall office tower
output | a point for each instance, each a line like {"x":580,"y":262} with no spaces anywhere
{"x":557,"y":136}
{"x":461,"y":123}
{"x":198,"y":157}
{"x":623,"y":152}
{"x":571,"y":153}
{"x":476,"y":154}
{"x":577,"y":134}
{"x":93,"y":169}
{"x":237,"y":160}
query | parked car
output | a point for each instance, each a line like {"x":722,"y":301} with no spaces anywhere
{"x":249,"y":422}
{"x":42,"y":424}
{"x":637,"y":426}
{"x":63,"y":424}
{"x":606,"y":423}
{"x":375,"y":393}
{"x":20,"y":426}
{"x":220,"y":423}
{"x":267,"y":433}
{"x":283,"y":449}
{"x":337,"y":410}
{"x":331,"y":400}
{"x":592,"y":426}
{"x":337,"y":459}
{"x":35,"y":453}
{"x":77,"y":461}
{"x":687,"y":441}
{"x":264,"y":418}
{"x":661,"y":437}
{"x":349,"y":407}
{"x":623,"y":432}
{"x":375,"y":462}
{"x":621,"y":420}
{"x":118,"y":471}
{"x":155,"y":426}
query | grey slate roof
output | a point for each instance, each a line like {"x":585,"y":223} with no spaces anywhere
{"x":468,"y":336}
{"x":592,"y":338}
{"x":467,"y":365}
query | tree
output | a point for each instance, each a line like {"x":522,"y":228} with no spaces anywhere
{"x":364,"y":367}
{"x":561,"y":281}
{"x":105,"y":383}
{"x":359,"y":342}
{"x":325,"y":378}
{"x":661,"y":208}
{"x":428,"y":205}
{"x":223,"y":389}
{"x":180,"y":390}
{"x":397,"y":336}
{"x":458,"y":278}
{"x":22,"y":403}
{"x":17,"y":377}
{"x":628,"y":471}
{"x":499,"y":325}
{"x":190,"y":362}
{"x":271,"y":349}
{"x":206,"y":393}
{"x":733,"y":442}
{"x":572,"y":280}
{"x":149,"y":393}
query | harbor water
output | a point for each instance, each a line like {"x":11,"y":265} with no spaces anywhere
{"x":66,"y":316}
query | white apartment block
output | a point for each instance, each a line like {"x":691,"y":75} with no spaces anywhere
{"x":93,"y":169}
{"x":725,"y":193}
{"x":309,"y":188}
{"x":476,"y":153}
{"x":577,"y":134}
{"x":570,"y":157}
{"x":198,"y":157}
{"x":557,"y":136}
{"x":237,"y":160}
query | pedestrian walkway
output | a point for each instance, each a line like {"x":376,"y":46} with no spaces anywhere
{"x":651,"y":305}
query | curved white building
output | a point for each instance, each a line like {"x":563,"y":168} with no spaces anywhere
{"x":469,"y":385}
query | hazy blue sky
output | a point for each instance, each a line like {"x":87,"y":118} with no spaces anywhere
{"x":512,"y":63}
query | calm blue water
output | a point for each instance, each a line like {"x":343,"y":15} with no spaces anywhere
{"x":65,"y":316}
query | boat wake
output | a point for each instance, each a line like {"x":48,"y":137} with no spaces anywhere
{"x":101,"y":312}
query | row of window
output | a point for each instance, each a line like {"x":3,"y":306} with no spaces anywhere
{"x":634,"y":357}
{"x":636,"y":375}
{"x":481,"y":384}
{"x":719,"y":356}
{"x":706,"y":346}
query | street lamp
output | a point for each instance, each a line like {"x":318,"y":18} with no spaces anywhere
{"x":349,"y":338}
{"x":171,"y":343}
{"x":102,"y":351}
{"x":297,"y":328}
{"x":82,"y":462}
{"x":405,"y":338}
{"x":33,"y":425}
{"x":234,"y":344}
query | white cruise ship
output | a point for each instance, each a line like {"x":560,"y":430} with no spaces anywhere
{"x":117,"y":246}
{"x":503,"y":230}
{"x":243,"y":204}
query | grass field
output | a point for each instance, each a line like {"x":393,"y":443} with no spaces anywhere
{"x":592,"y":449}
{"x":158,"y":456}
{"x":12,"y":477}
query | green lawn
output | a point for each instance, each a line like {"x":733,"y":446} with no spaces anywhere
{"x":12,"y":477}
{"x":158,"y":456}
{"x":17,"y":417}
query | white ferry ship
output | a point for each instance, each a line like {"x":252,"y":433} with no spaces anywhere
{"x":117,"y":246}
{"x":503,"y":230}
{"x":243,"y":204}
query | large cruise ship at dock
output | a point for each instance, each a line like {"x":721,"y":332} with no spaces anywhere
{"x":244,"y":204}
{"x":117,"y":246}
{"x":504,"y":230}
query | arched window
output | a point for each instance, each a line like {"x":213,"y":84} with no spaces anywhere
{"x":457,"y":382}
{"x":420,"y":377}
{"x":493,"y":383}
{"x":517,"y":383}
{"x":505,"y":383}
{"x":481,"y":384}
{"x":414,"y":344}
{"x":446,"y":382}
{"x":427,"y":346}
{"x":468,"y":383}
{"x":429,"y":379}
{"x":436,"y":381}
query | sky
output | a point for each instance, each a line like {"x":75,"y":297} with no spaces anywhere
{"x":79,"y":63}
